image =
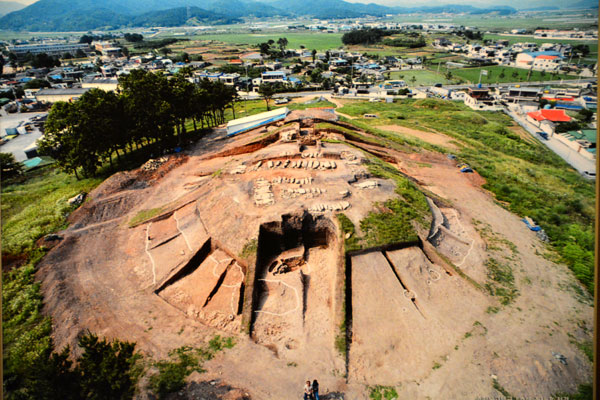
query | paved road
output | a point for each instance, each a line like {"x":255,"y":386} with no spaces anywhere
{"x":572,"y":157}
{"x":19,"y":143}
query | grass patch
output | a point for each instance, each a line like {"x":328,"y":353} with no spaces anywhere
{"x":436,"y":365}
{"x":351,"y":241}
{"x":501,"y":281}
{"x":182,"y":362}
{"x":250,"y":249}
{"x":584,"y":392}
{"x":38,"y":206}
{"x":494,"y":72}
{"x":317,"y":41}
{"x":586,"y":347}
{"x":379,"y":392}
{"x":318,"y":104}
{"x":422,"y":77}
{"x":144,"y":215}
{"x":496,"y":385}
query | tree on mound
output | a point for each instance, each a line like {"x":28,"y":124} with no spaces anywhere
{"x":267,"y":92}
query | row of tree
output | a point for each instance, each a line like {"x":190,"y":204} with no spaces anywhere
{"x":149,"y":110}
{"x":366,"y":36}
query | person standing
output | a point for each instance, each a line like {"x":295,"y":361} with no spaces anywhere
{"x":307,"y":391}
{"x":315,"y":389}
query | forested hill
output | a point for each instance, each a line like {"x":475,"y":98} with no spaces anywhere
{"x":82,"y":15}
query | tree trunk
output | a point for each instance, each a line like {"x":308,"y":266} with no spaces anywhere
{"x":233,"y":109}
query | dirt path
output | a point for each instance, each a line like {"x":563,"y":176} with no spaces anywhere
{"x":338,"y":104}
{"x":429,"y":137}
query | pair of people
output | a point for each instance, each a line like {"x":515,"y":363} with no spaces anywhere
{"x":311,"y":391}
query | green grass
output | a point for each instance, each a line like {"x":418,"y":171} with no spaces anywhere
{"x":528,"y":178}
{"x":182,"y":362}
{"x":379,"y":392}
{"x":501,"y":281}
{"x":494,"y":72}
{"x":318,"y":104}
{"x":250,"y":249}
{"x":144,"y":215}
{"x":423,"y":77}
{"x":37,"y":207}
{"x":496,"y":385}
{"x":318,"y":41}
{"x":351,"y":242}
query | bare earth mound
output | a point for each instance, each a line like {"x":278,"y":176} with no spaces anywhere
{"x":240,"y":237}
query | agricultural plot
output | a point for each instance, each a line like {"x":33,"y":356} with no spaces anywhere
{"x":501,"y":74}
{"x":317,"y":41}
{"x":422,"y":77}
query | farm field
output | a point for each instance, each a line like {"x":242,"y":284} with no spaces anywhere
{"x":582,"y":20}
{"x":317,"y":41}
{"x":494,"y":71}
{"x":423,"y":77}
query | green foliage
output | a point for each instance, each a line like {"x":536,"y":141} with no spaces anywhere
{"x":405,"y":42}
{"x":250,"y":249}
{"x":436,"y":365}
{"x":218,"y":343}
{"x":182,"y":362}
{"x":351,"y":241}
{"x":584,"y":392}
{"x":364,"y":36}
{"x":144,"y":215}
{"x":149,"y":110}
{"x":105,"y":368}
{"x":501,"y":389}
{"x":392,"y":221}
{"x":37,"y":206}
{"x":172,"y":373}
{"x":9,"y":166}
{"x":379,"y":392}
{"x":501,"y":281}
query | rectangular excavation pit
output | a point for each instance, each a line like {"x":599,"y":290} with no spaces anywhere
{"x":295,"y":309}
{"x":402,"y":313}
{"x":209,"y":288}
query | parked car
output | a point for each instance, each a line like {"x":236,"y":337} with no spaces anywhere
{"x":543,"y":135}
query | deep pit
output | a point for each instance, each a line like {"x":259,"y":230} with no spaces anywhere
{"x":297,"y":286}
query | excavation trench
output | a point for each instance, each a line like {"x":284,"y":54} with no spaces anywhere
{"x":295,"y":286}
{"x":209,"y":287}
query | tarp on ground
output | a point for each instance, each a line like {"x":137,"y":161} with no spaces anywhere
{"x":254,"y":121}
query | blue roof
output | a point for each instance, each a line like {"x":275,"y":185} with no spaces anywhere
{"x":27,"y":79}
{"x":292,"y":79}
{"x":56,"y":77}
{"x":545,"y":53}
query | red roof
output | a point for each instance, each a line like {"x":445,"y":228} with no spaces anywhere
{"x":550,"y":115}
{"x":545,"y":57}
{"x":236,"y":61}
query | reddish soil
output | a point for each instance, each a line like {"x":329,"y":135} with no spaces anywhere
{"x":104,"y":276}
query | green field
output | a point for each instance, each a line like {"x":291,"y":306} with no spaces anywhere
{"x":317,"y":41}
{"x":423,"y":77}
{"x":567,"y":20}
{"x":494,"y":72}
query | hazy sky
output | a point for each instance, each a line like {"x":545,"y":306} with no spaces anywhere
{"x":477,"y":3}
